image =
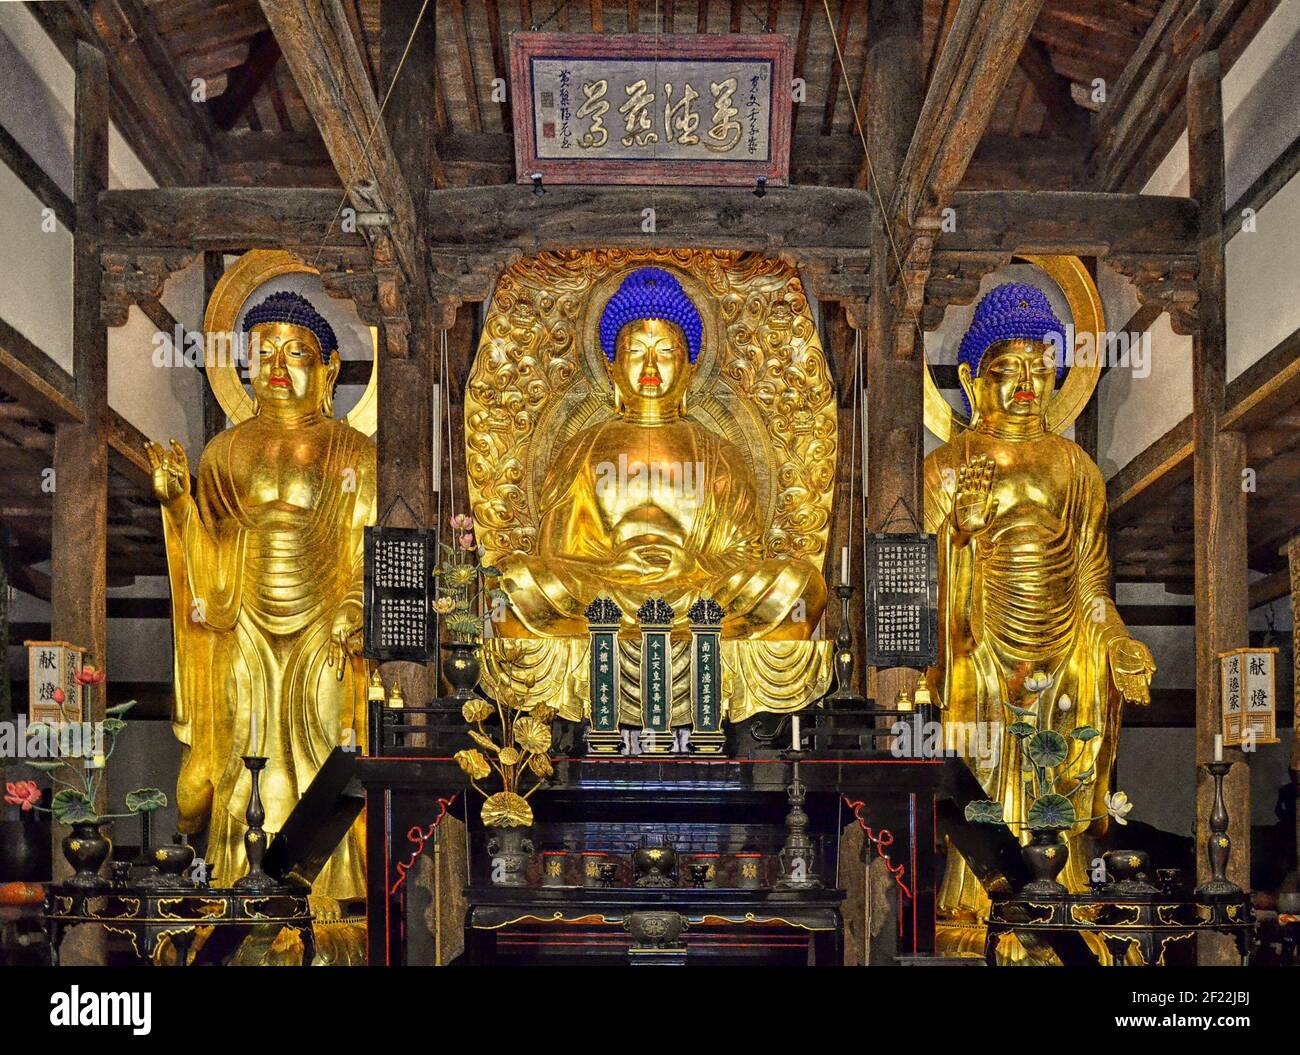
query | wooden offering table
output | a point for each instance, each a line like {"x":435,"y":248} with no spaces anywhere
{"x":149,"y":915}
{"x":1153,"y":926}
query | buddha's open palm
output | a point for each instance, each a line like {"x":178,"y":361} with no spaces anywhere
{"x":171,"y":471}
{"x":1131,"y":667}
{"x":973,"y":505}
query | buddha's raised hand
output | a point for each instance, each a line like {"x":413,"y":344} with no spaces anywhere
{"x":171,"y":471}
{"x":973,"y":504}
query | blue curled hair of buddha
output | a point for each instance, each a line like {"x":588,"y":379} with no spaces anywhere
{"x":295,"y":310}
{"x":650,"y":293}
{"x":1013,"y":311}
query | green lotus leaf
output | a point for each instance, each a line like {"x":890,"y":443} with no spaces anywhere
{"x":1051,"y":811}
{"x":1084,"y":733}
{"x":145,"y":800}
{"x":113,"y":726}
{"x":119,"y":709}
{"x":1022,"y":712}
{"x":1047,"y":748}
{"x":491,"y":570}
{"x":1021,"y":729}
{"x":70,"y":806}
{"x":984,"y":811}
{"x":46,"y":767}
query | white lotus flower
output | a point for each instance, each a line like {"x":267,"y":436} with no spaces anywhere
{"x":1064,"y":703}
{"x":1118,"y":806}
{"x":1039,"y":681}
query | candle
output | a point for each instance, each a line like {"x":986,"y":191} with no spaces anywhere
{"x":844,"y":565}
{"x":794,"y":733}
{"x":1218,"y":747}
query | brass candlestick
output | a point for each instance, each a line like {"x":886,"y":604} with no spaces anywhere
{"x":254,"y":835}
{"x":844,"y":696}
{"x":1218,"y":847}
{"x":796,"y":855}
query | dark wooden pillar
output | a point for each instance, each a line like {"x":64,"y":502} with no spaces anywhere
{"x":894,"y":353}
{"x":78,"y":551}
{"x":405,"y":486}
{"x":214,"y":418}
{"x":1219,"y":505}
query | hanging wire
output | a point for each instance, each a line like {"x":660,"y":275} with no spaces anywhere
{"x":871,"y":168}
{"x":365,"y":147}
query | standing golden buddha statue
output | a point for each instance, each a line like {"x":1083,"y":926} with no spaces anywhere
{"x":652,"y":504}
{"x":266,"y":567}
{"x":1020,"y":514}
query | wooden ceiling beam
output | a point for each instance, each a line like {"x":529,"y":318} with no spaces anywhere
{"x":231,"y":219}
{"x":974,"y":64}
{"x":244,"y":82}
{"x":1145,"y":111}
{"x":509,"y":217}
{"x":334,"y":81}
{"x":174,"y":138}
{"x":1053,"y":90}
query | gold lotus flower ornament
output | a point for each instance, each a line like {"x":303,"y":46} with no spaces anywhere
{"x":473,"y":763}
{"x":505,"y":809}
{"x":533,"y":735}
{"x":444,"y":605}
{"x":517,"y":743}
{"x":476,"y":711}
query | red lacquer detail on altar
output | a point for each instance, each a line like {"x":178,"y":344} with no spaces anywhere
{"x":881,"y":842}
{"x":419,"y":836}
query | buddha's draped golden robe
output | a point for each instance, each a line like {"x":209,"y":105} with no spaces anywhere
{"x":687,"y":528}
{"x":1029,"y":594}
{"x":255,"y":589}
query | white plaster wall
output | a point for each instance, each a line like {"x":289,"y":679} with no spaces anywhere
{"x":1261,"y":105}
{"x":36,"y":292}
{"x":37,"y":94}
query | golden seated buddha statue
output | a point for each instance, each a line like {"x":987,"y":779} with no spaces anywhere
{"x":656,"y":474}
{"x":651,"y":504}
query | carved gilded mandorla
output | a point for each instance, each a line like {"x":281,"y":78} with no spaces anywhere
{"x":760,"y":421}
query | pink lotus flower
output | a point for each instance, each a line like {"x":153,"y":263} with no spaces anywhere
{"x":462,"y":522}
{"x":467,"y":541}
{"x":59,"y":696}
{"x":88,"y":675}
{"x":24,"y":793}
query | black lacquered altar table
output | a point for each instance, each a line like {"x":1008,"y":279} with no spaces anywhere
{"x":150,"y":915}
{"x":1151,"y":925}
{"x":407,"y":794}
{"x":534,"y":924}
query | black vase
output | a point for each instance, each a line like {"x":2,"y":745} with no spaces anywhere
{"x":25,"y":848}
{"x":460,"y":668}
{"x":86,"y":848}
{"x":1044,"y":856}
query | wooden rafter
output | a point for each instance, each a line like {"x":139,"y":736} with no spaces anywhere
{"x":244,"y":82}
{"x":151,"y":104}
{"x":973,"y":66}
{"x":322,"y":52}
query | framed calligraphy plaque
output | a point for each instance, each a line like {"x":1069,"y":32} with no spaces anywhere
{"x":397,"y":600}
{"x":702,"y":109}
{"x":902,"y":600}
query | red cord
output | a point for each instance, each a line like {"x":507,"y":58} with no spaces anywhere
{"x":419,"y":836}
{"x":881,"y":842}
